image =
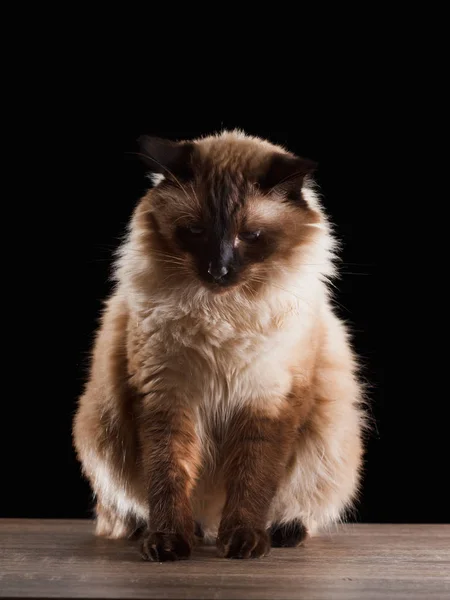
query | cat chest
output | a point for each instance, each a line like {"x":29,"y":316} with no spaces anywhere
{"x":229,"y":370}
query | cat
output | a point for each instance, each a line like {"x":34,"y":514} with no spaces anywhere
{"x":223,"y":403}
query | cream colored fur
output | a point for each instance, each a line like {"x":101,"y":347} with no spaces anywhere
{"x":225,"y":351}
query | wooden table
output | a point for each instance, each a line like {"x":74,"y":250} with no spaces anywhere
{"x":63,"y":559}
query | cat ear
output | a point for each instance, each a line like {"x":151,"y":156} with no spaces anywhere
{"x":286,"y":173}
{"x":166,"y":158}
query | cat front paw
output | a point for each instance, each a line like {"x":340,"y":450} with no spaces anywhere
{"x":288,"y":535}
{"x":244,"y":542}
{"x":159,"y":546}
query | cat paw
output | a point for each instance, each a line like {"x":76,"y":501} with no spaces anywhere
{"x":244,"y":542}
{"x":161,"y":547}
{"x":288,"y":535}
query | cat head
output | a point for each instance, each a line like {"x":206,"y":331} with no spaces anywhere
{"x":226,"y":210}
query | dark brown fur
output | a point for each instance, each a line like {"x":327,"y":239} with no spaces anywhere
{"x":168,"y":440}
{"x":257,"y":453}
{"x":222,"y":387}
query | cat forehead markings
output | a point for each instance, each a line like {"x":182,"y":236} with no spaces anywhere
{"x":227,"y":169}
{"x":224,"y":192}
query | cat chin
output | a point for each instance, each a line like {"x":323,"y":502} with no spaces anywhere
{"x":221,"y":290}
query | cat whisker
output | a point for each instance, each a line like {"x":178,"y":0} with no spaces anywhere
{"x":270,"y":282}
{"x":169,"y":262}
{"x":195,"y":195}
{"x":165,"y":255}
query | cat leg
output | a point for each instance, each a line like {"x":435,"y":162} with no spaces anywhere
{"x":109,"y":460}
{"x":104,"y":431}
{"x":111,"y":525}
{"x":322,"y":480}
{"x":257,"y":450}
{"x":171,"y":459}
{"x":323,"y":475}
{"x":104,"y":522}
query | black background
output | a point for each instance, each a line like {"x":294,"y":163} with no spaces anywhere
{"x":94,"y":199}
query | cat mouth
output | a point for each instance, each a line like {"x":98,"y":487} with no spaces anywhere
{"x":220,"y":287}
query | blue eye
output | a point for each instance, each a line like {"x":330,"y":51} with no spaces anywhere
{"x":249,"y":236}
{"x":196,"y":230}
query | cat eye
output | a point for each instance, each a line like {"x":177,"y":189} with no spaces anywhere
{"x":249,"y":236}
{"x":195,"y":230}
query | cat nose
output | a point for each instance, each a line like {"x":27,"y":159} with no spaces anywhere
{"x":217,"y":271}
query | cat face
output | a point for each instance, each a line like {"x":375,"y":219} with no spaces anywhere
{"x":226,"y":211}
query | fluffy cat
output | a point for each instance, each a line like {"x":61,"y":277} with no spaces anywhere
{"x":223,"y":402}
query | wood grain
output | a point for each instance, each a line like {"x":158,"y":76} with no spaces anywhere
{"x":62,"y":559}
